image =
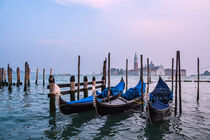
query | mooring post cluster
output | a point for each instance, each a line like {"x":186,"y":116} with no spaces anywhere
{"x":72,"y":91}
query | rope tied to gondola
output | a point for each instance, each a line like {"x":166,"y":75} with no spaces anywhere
{"x":140,"y":102}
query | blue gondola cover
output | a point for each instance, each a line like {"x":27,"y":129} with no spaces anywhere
{"x":135,"y":92}
{"x":113,"y":91}
{"x":161,"y":92}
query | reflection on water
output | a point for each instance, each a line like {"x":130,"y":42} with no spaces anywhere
{"x":25,"y":115}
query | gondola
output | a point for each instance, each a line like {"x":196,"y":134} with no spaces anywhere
{"x":86,"y":104}
{"x":130,"y":99}
{"x":160,"y":102}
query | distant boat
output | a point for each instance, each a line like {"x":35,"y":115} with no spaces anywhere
{"x":160,"y":102}
{"x":130,"y":99}
{"x":86,"y":104}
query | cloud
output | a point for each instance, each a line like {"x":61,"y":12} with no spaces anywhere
{"x":90,"y":3}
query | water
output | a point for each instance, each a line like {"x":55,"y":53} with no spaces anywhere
{"x":25,"y":115}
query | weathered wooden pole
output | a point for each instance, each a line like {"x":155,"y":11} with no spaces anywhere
{"x":44,"y":77}
{"x":72,"y":88}
{"x":18,"y":76}
{"x":172,"y":76}
{"x":78,"y":83}
{"x":198,"y":70}
{"x":5,"y":77}
{"x":104,"y":77}
{"x":108,"y":77}
{"x":105,"y":64}
{"x":26,"y":77}
{"x":52,"y":94}
{"x":10,"y":79}
{"x":85,"y":86}
{"x":175,"y":109}
{"x":37,"y":70}
{"x":180,"y":86}
{"x":51,"y":71}
{"x":126,"y":74}
{"x":103,"y":83}
{"x":8,"y":68}
{"x":141,"y":77}
{"x":29,"y":71}
{"x":1,"y":77}
{"x":94,"y":81}
{"x":148,"y":79}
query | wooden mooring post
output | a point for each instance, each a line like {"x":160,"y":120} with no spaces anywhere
{"x":108,"y":77}
{"x":44,"y":77}
{"x":52,"y":94}
{"x":9,"y":71}
{"x":1,"y":77}
{"x":72,"y":88}
{"x":126,"y":74}
{"x":2,"y":73}
{"x":85,"y":86}
{"x":142,"y":85}
{"x":148,"y":79}
{"x":172,"y":76}
{"x":26,"y":77}
{"x":51,"y":71}
{"x":175,"y":109}
{"x":104,"y":76}
{"x":29,"y":71}
{"x":103,"y":83}
{"x":37,"y":70}
{"x":5,"y":78}
{"x":78,"y":83}
{"x":94,"y":81}
{"x":10,"y":79}
{"x":180,"y":86}
{"x":18,"y":76}
{"x":198,"y":76}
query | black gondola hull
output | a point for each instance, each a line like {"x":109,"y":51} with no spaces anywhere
{"x":106,"y":109}
{"x":157,"y":115}
{"x":78,"y":107}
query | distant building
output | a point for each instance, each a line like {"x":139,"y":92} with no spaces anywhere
{"x":168,"y":72}
{"x":135,"y":63}
{"x":154,"y":70}
{"x":115,"y":71}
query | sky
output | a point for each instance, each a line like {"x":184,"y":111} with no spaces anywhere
{"x":52,"y":33}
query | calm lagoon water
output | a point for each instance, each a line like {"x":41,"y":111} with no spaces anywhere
{"x":25,"y":115}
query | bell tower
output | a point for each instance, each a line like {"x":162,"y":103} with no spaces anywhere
{"x":135,"y":63}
